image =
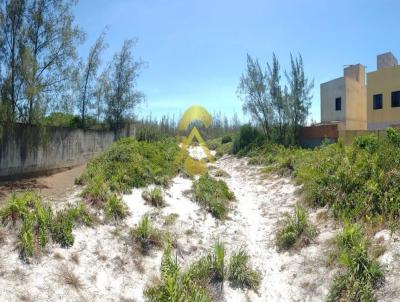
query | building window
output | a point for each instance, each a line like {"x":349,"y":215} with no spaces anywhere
{"x":338,"y":104}
{"x":396,"y":99}
{"x":377,"y":101}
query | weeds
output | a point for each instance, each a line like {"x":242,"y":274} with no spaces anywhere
{"x":154,"y":196}
{"x":171,"y":219}
{"x":240,"y":273}
{"x":361,"y":273}
{"x":213,"y":194}
{"x":296,"y":229}
{"x":146,"y":235}
{"x":115,"y":208}
{"x":67,"y":277}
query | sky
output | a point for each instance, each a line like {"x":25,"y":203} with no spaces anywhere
{"x":196,"y":50}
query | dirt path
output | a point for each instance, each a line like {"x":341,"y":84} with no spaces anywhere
{"x":109,"y":268}
{"x":53,"y":187}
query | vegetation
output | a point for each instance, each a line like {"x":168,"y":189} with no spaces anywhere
{"x":240,"y":273}
{"x":295,"y":230}
{"x":115,"y":208}
{"x":154,"y":196}
{"x":213,"y":194}
{"x":201,"y":279}
{"x":129,"y":163}
{"x":278,"y":111}
{"x":361,"y":273}
{"x":37,"y":224}
{"x":146,"y":235}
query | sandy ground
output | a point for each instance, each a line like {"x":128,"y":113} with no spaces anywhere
{"x":53,"y":187}
{"x":109,"y":268}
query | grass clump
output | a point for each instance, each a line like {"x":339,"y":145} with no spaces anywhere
{"x":154,"y":196}
{"x":115,"y":209}
{"x":226,"y":139}
{"x":171,"y":219}
{"x":213,"y":194}
{"x":193,"y":167}
{"x":241,"y":274}
{"x":37,"y":224}
{"x":146,"y":235}
{"x":360,"y":273}
{"x":295,"y":230}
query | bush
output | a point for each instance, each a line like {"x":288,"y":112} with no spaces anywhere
{"x":154,"y":196}
{"x":248,"y":136}
{"x":130,"y":164}
{"x":213,"y":194}
{"x":393,"y":136}
{"x":240,"y":273}
{"x":146,"y":235}
{"x":368,"y":142}
{"x":226,"y":139}
{"x":115,"y":208}
{"x":296,"y":229}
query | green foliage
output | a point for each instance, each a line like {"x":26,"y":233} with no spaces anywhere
{"x":296,"y":229}
{"x":146,"y":235}
{"x":226,"y":139}
{"x":129,"y":164}
{"x":240,"y":273}
{"x":39,"y":224}
{"x":171,"y":219}
{"x":213,"y":194}
{"x":149,"y":133}
{"x":176,"y":285}
{"x":368,"y":142}
{"x":154,"y":196}
{"x":248,"y":136}
{"x":393,"y":136}
{"x":115,"y":208}
{"x":59,"y":119}
{"x":361,"y":275}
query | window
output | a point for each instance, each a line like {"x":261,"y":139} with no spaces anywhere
{"x":377,"y":101}
{"x":396,"y":99}
{"x":338,"y":104}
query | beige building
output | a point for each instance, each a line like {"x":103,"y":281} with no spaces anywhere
{"x":343,"y":99}
{"x":357,"y":104}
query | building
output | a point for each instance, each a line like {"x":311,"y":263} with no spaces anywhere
{"x":383,"y":93}
{"x":358,"y":101}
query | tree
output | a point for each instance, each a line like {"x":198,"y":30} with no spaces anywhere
{"x":120,"y":90}
{"x":275,"y":94}
{"x":252,"y":90}
{"x":300,"y":98}
{"x":87,"y":78}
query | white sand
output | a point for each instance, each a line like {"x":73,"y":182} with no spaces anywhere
{"x":110,"y":270}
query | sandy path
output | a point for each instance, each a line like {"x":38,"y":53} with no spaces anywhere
{"x":109,"y":269}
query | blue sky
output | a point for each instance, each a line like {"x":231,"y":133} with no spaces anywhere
{"x":196,"y":50}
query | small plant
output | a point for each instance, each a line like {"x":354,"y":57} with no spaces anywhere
{"x":66,"y":276}
{"x":221,"y":173}
{"x":115,"y":208}
{"x":240,"y":273}
{"x":213,"y":194}
{"x":194,"y":167}
{"x":154,"y":197}
{"x":296,"y":229}
{"x":96,"y":191}
{"x":171,"y":219}
{"x":218,"y":261}
{"x":146,"y":235}
{"x":362,"y":273}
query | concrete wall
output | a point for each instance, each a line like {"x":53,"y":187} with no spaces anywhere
{"x":385,"y":81}
{"x":26,"y":150}
{"x":348,"y":136}
{"x":329,"y":92}
{"x":313,"y":136}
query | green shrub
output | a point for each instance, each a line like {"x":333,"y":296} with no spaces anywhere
{"x":296,"y":229}
{"x":130,"y":164}
{"x":96,"y":191}
{"x":62,"y":229}
{"x":226,"y":139}
{"x":154,"y":197}
{"x":361,"y":275}
{"x":146,"y":235}
{"x":115,"y":208}
{"x":368,"y":142}
{"x":171,"y":219}
{"x":213,"y":194}
{"x":393,"y":136}
{"x":240,"y":273}
{"x":248,"y":136}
